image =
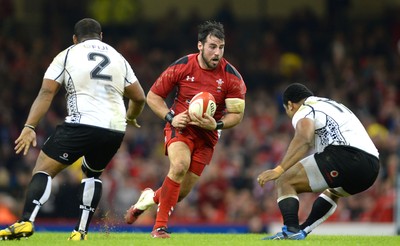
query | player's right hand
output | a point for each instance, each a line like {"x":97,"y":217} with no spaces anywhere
{"x":24,"y":141}
{"x":181,"y":120}
{"x":267,"y":175}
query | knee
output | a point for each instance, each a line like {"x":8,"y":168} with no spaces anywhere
{"x":179,"y":169}
{"x":90,"y":173}
{"x":280,"y":181}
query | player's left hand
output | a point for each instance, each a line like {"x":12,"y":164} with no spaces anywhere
{"x":133,"y":122}
{"x":206,"y":122}
{"x":268,"y":175}
{"x":24,"y":141}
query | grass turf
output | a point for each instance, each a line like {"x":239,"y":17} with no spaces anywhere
{"x":194,"y":239}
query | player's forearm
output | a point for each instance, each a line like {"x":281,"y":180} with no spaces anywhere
{"x":231,"y":119}
{"x":39,"y":107}
{"x":301,"y":144}
{"x":157,"y":105}
{"x":298,"y":148}
{"x":137,"y":100}
{"x":135,"y":108}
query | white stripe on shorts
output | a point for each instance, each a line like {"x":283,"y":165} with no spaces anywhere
{"x":315,"y":178}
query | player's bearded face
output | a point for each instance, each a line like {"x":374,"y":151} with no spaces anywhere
{"x":212,"y":51}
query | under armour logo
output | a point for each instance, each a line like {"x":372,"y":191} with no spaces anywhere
{"x":189,"y":78}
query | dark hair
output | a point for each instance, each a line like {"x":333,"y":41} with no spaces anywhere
{"x":87,"y":28}
{"x":212,"y":28}
{"x":295,"y":93}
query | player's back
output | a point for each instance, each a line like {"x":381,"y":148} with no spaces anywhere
{"x":336,"y":124}
{"x":94,"y":78}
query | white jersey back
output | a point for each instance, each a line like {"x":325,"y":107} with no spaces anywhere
{"x":94,"y":75}
{"x":335,"y":124}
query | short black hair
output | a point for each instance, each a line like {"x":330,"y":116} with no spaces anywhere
{"x":295,"y":93}
{"x":212,"y":28}
{"x":87,"y":28}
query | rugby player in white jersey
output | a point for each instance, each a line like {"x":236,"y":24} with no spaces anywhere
{"x":96,"y":78}
{"x":344,"y":161}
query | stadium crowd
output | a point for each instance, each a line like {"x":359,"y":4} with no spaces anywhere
{"x":353,"y":62}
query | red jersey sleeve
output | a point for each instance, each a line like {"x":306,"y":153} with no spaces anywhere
{"x":166,"y":82}
{"x":237,"y":87}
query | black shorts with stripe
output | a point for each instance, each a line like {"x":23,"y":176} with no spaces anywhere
{"x":350,"y":168}
{"x":69,"y":142}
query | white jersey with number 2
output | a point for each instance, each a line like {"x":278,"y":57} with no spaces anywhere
{"x":94,"y":75}
{"x":335,"y":124}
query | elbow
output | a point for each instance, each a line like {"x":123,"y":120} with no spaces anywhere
{"x":141,"y":100}
{"x":239,"y":118}
{"x":153,"y":100}
{"x":138,"y":103}
{"x":234,"y":119}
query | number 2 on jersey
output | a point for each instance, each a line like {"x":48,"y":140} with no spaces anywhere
{"x":96,"y":72}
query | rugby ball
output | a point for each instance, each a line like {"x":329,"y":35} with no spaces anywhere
{"x":203,"y":102}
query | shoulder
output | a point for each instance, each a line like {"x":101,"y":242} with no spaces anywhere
{"x":184,"y":60}
{"x":230,"y":69}
{"x":235,"y":79}
{"x":314,"y":100}
{"x":307,"y":109}
{"x":62,"y":56}
{"x":181,"y":66}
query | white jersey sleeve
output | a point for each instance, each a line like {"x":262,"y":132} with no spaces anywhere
{"x":94,"y":75}
{"x":335,"y":124}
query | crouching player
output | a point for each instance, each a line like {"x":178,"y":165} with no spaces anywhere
{"x":345,"y":162}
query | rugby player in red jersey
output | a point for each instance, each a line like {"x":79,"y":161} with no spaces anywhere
{"x":190,"y":143}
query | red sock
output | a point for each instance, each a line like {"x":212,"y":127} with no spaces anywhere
{"x":156,"y":197}
{"x":169,"y":193}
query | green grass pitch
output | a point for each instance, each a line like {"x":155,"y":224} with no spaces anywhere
{"x":194,"y":239}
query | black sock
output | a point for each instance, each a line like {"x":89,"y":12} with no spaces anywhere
{"x":289,"y":208}
{"x":322,"y":208}
{"x":38,"y":193}
{"x":90,"y":194}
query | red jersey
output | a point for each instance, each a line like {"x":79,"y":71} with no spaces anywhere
{"x":189,"y":78}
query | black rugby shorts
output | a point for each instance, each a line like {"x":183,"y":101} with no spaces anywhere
{"x":350,"y":168}
{"x":69,"y":142}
